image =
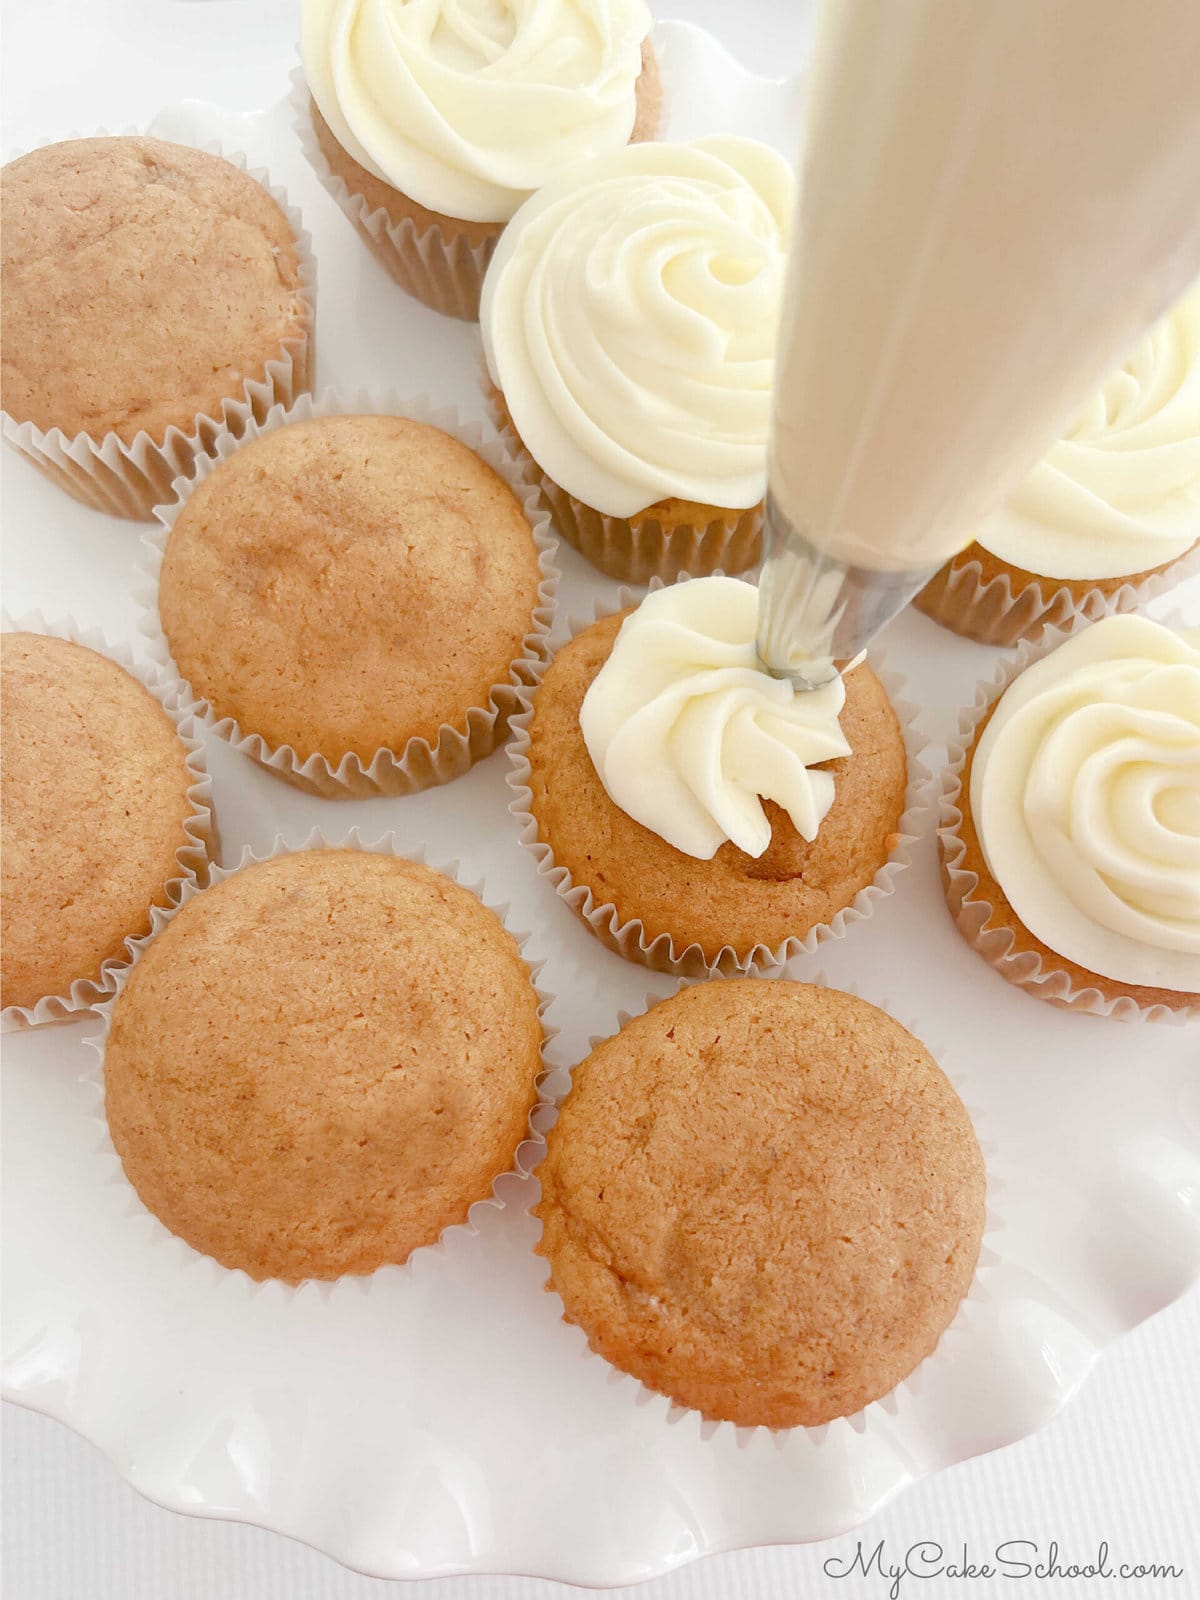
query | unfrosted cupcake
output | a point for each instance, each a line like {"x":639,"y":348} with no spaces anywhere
{"x":151,"y":293}
{"x":629,"y":319}
{"x":764,"y":1200}
{"x":697,"y":813}
{"x":434,"y":122}
{"x":341,"y":1049}
{"x":100,"y":819}
{"x":356,"y":599}
{"x":1110,"y":517}
{"x":1070,"y":829}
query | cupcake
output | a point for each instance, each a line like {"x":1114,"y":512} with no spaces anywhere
{"x":696,"y":813}
{"x":342,"y":1049}
{"x":1070,"y":826}
{"x":764,"y":1200}
{"x":1109,"y":518}
{"x":356,"y":600}
{"x":432,"y":123}
{"x":102,"y":819}
{"x":629,"y":319}
{"x":152,"y":294}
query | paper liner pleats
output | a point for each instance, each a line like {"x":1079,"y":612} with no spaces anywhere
{"x":663,"y":953}
{"x":129,"y":480}
{"x":976,"y":918}
{"x":193,"y":856}
{"x":420,"y":764}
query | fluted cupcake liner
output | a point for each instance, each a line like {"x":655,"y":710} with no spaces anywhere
{"x":662,"y":953}
{"x":129,"y":480}
{"x":637,"y":551}
{"x":445,"y":273}
{"x":905,"y":1399}
{"x":194,"y":857}
{"x":976,"y":918}
{"x":420,"y":764}
{"x":1000,"y":611}
{"x":546,"y":1088}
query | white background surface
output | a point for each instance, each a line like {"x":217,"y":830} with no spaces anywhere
{"x":1119,"y":1465}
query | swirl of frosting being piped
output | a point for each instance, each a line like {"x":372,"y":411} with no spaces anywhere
{"x":687,"y":730}
{"x":1120,"y":492}
{"x":467,"y":106}
{"x":629,"y":317}
{"x":1085,"y":790}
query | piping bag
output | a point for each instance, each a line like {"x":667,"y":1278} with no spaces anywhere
{"x":998,"y":197}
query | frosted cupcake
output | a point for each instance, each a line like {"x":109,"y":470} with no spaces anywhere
{"x":433,"y":122}
{"x":1108,"y":518}
{"x":1070,"y":827}
{"x":629,"y":319}
{"x":696,"y":813}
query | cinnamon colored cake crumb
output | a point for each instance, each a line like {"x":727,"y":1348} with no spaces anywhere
{"x":143,"y":283}
{"x":95,"y":797}
{"x":763,"y":1199}
{"x":349,"y":583}
{"x":322,"y":1063}
{"x":732,"y":899}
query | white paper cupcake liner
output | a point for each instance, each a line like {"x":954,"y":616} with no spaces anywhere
{"x":420,"y":765}
{"x":194,"y":858}
{"x":444,"y":273}
{"x":906,"y":1397}
{"x":993,"y":612}
{"x":506,"y":1186}
{"x":129,"y":480}
{"x":637,"y":552}
{"x":662,"y":953}
{"x":971,"y":911}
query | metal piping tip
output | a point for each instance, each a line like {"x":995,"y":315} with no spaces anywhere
{"x":815,"y":610}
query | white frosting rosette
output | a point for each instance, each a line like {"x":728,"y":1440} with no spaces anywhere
{"x":468,"y":106}
{"x":688,"y":733}
{"x":669,"y":730}
{"x":629,"y":319}
{"x":1110,"y":516}
{"x":1085,"y":798}
{"x":460,"y":109}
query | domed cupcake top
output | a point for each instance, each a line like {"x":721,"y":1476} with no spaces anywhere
{"x":143,"y":283}
{"x":468,"y":106}
{"x":687,"y":730}
{"x":1119,"y":493}
{"x":321,"y":1063}
{"x":629,"y":318}
{"x":762,"y":1199}
{"x":1085,"y":789}
{"x":95,"y":809}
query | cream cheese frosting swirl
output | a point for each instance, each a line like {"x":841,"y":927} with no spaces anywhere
{"x":687,"y":730}
{"x":629,"y":317}
{"x":1120,"y":491}
{"x":467,"y":106}
{"x":1085,"y":790}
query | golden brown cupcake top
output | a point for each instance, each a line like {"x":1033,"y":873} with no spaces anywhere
{"x":322,"y":1063}
{"x":732,"y":899}
{"x":764,"y":1199}
{"x":95,"y":785}
{"x":348,"y":584}
{"x":143,"y":283}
